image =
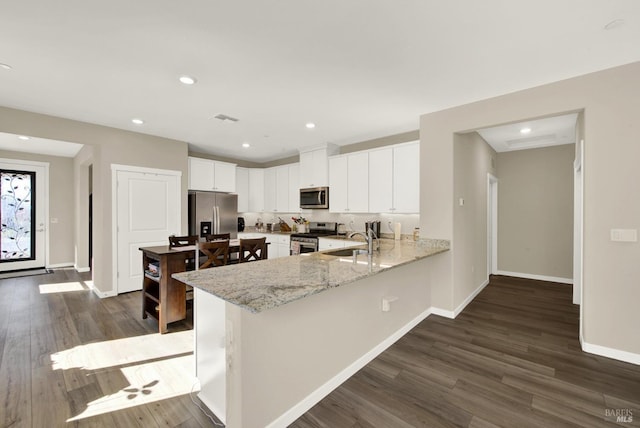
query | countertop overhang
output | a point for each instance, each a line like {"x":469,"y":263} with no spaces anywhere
{"x":267,"y":284}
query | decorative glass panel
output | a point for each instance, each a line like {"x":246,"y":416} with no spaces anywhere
{"x":16,"y":215}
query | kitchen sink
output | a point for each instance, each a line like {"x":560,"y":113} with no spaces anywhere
{"x":342,"y":252}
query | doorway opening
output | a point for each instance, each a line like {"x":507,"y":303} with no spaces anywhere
{"x":90,"y":217}
{"x":536,"y":221}
{"x":492,"y":224}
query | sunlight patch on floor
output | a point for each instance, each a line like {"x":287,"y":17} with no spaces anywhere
{"x":119,"y":352}
{"x":61,"y":287}
{"x":147,"y":383}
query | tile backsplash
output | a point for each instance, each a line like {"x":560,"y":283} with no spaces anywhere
{"x":353,"y":222}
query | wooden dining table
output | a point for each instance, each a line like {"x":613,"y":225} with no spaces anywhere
{"x":163,"y":297}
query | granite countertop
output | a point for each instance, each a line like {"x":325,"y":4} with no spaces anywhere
{"x":266,"y":284}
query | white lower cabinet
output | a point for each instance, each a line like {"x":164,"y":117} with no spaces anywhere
{"x":330,"y":244}
{"x":278,"y":244}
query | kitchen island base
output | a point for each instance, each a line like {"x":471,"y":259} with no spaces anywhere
{"x":266,"y":369}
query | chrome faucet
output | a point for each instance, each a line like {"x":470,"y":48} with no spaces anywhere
{"x":369,"y":237}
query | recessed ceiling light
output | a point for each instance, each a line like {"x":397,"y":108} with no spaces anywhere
{"x":5,"y":66}
{"x":188,"y":80}
{"x":525,"y":130}
{"x":137,"y":121}
{"x":616,"y":23}
{"x":246,"y":145}
{"x":23,"y":137}
{"x":310,"y":125}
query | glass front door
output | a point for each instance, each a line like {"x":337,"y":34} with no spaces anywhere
{"x":17,"y":215}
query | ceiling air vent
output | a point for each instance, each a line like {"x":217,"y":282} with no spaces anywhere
{"x":225,"y":118}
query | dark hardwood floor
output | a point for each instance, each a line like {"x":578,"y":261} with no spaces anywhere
{"x":69,"y":358}
{"x":511,"y":359}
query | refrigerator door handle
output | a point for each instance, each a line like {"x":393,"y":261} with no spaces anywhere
{"x":216,"y":219}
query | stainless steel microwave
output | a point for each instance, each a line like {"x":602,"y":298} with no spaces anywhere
{"x":314,"y":198}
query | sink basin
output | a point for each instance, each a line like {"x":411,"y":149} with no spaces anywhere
{"x":342,"y":252}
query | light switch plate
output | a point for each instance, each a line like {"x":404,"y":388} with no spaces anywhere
{"x":624,"y":235}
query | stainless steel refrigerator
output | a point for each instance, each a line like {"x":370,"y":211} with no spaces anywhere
{"x":212,"y":213}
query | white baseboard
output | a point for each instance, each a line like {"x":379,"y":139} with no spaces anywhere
{"x":103,"y":294}
{"x":536,"y":277}
{"x":616,"y":354}
{"x":82,"y":269}
{"x":452,"y":314}
{"x":312,"y":399}
{"x":59,"y":265}
{"x":442,"y":312}
{"x":468,"y":300}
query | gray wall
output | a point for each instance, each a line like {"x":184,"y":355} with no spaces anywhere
{"x":611,"y":101}
{"x":535,"y":211}
{"x":61,"y":249}
{"x":110,"y":146}
{"x":473,"y":160}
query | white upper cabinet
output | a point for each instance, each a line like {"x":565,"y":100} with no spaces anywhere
{"x":381,"y":180}
{"x":279,"y":192}
{"x":256,"y":190}
{"x":270,"y":190}
{"x":242,"y":188}
{"x":282,"y":189}
{"x":314,"y":166}
{"x":294,"y":188}
{"x":205,"y":174}
{"x":349,"y":183}
{"x":406,"y":178}
{"x":201,"y":174}
{"x":225,"y":177}
{"x":394,"y":179}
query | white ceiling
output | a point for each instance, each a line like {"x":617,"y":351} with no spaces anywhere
{"x":551,"y":131}
{"x":359,"y":69}
{"x":42,"y":146}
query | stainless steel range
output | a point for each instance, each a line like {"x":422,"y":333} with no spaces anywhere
{"x":308,"y":242}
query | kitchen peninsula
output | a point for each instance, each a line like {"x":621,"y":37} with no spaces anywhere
{"x":273,"y":337}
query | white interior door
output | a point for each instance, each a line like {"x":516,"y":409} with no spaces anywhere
{"x":24,"y":193}
{"x":148,"y":211}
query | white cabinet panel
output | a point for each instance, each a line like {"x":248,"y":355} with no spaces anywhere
{"x":224,"y":177}
{"x":406,"y":178}
{"x":279,"y":193}
{"x":394,"y":179}
{"x":294,"y":188}
{"x":201,"y":174}
{"x":256,"y":190}
{"x":349,"y":183}
{"x":338,"y":192}
{"x":381,"y":180}
{"x":314,"y":166}
{"x":358,"y":182}
{"x":270,"y":190}
{"x":209,"y":175}
{"x":242,"y":188}
{"x":282,"y":189}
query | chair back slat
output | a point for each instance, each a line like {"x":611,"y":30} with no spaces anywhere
{"x":182,"y":241}
{"x":218,"y":237}
{"x":211,"y":254}
{"x":252,"y":250}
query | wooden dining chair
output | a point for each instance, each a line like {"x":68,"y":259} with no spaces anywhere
{"x":218,"y":237}
{"x":252,"y":250}
{"x":211,"y":254}
{"x":184,"y":241}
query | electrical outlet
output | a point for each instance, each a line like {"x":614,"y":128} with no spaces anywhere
{"x":624,"y":235}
